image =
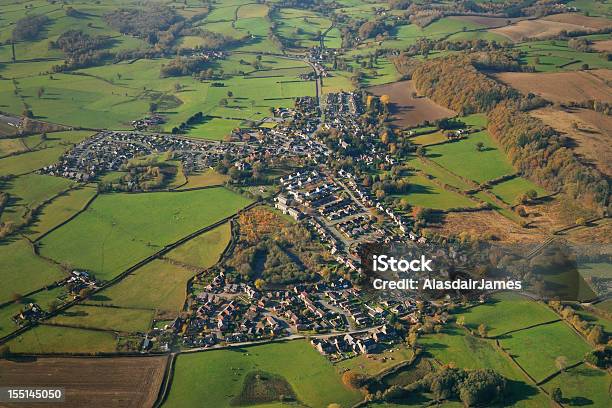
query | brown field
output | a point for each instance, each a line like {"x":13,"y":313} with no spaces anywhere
{"x":562,"y":87}
{"x":580,"y":20}
{"x":488,"y":222}
{"x":592,"y":132}
{"x":489,"y":22}
{"x":602,"y":46}
{"x":406,"y":110}
{"x":100,"y":382}
{"x":550,"y":26}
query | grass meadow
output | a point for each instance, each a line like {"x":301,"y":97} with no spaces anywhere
{"x":159,"y":285}
{"x":425,"y":193}
{"x":582,"y":386}
{"x":105,"y":318}
{"x":204,"y":250}
{"x":47,"y":339}
{"x":537,"y":348}
{"x":506,"y":312}
{"x":118,"y":230}
{"x":217,"y":376}
{"x":23,"y":271}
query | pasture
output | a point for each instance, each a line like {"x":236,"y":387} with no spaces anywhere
{"x":204,"y":250}
{"x":582,"y":386}
{"x":537,"y":348}
{"x":464,"y":159}
{"x":557,"y":56}
{"x":132,"y":380}
{"x":120,"y":229}
{"x":427,"y":194}
{"x":549,"y":26}
{"x":510,"y":190}
{"x":505,"y":312}
{"x":454,"y":345}
{"x":105,"y":318}
{"x":218,"y":375}
{"x":43,"y":298}
{"x":46,"y":339}
{"x":204,"y":179}
{"x":23,"y":271}
{"x":159,"y":285}
{"x":371,"y":365}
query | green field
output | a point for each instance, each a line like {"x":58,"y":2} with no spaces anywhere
{"x":506,"y":312}
{"x":105,"y":318}
{"x":454,"y":345}
{"x":205,"y":178}
{"x":55,"y":339}
{"x":464,"y":159}
{"x":23,"y":271}
{"x":125,"y":228}
{"x":555,"y":55}
{"x":582,"y":386}
{"x":217,"y":376}
{"x":425,"y":193}
{"x":43,"y":298}
{"x":372,"y":365}
{"x":510,"y":190}
{"x":204,"y":250}
{"x":536,"y":349}
{"x":159,"y":285}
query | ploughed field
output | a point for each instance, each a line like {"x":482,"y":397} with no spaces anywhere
{"x":110,"y":382}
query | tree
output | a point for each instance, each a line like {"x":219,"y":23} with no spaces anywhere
{"x":557,"y":395}
{"x":580,"y":221}
{"x":16,"y":297}
{"x":480,"y":146}
{"x":5,"y":351}
{"x":482,"y":330}
{"x":561,"y":363}
{"x":596,"y":335}
{"x":40,"y":92}
{"x":54,"y":305}
{"x":353,"y":380}
{"x":421,"y":152}
{"x":461,"y":320}
{"x":260,"y":284}
{"x":230,"y":94}
{"x":584,"y":67}
{"x":153,"y":107}
{"x":385,"y":99}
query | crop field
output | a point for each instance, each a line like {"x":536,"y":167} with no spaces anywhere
{"x":549,"y":26}
{"x":54,"y":339}
{"x":407,"y":110}
{"x":509,"y":190}
{"x":588,"y":129}
{"x":105,"y":318}
{"x":507,"y":312}
{"x":159,"y":285}
{"x":218,"y":376}
{"x":121,"y":230}
{"x":135,"y":381}
{"x":537,"y":348}
{"x":204,"y":250}
{"x":425,"y":193}
{"x":464,"y":159}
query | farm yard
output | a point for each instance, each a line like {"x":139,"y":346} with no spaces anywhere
{"x":134,"y":381}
